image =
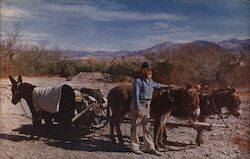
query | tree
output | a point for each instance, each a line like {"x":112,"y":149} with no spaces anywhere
{"x":10,"y":41}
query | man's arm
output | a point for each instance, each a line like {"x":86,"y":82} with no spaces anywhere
{"x":160,"y":86}
{"x":136,"y":93}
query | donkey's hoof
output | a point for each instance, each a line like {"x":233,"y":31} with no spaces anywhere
{"x":199,"y":142}
{"x":112,"y":139}
{"x":161,"y":145}
{"x":157,"y":148}
{"x":121,"y":142}
{"x":32,"y":137}
{"x":48,"y":123}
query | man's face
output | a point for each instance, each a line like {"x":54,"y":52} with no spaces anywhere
{"x":147,"y":73}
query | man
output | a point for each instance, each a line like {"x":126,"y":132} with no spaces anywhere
{"x":143,"y":88}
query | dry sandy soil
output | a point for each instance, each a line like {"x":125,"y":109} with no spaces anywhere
{"x":15,"y":129}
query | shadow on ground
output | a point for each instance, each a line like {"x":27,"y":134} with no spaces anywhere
{"x":80,"y":139}
{"x":76,"y":139}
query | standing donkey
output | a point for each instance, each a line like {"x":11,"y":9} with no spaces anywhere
{"x":211,"y":104}
{"x":65,"y":105}
{"x":185,"y":103}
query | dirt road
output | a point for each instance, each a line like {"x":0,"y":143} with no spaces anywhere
{"x":15,"y":129}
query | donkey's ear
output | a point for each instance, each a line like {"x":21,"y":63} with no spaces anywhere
{"x":12,"y":80}
{"x":20,"y":79}
{"x":232,"y":90}
{"x":198,"y":87}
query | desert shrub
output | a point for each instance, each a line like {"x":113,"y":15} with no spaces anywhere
{"x":29,"y":63}
{"x":234,"y":71}
{"x":204,"y":66}
{"x":119,"y":70}
{"x":163,"y":72}
{"x":66,"y":68}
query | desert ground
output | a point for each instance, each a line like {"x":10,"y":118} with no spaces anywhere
{"x":15,"y":129}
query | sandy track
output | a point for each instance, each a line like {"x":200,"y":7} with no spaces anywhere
{"x":15,"y":140}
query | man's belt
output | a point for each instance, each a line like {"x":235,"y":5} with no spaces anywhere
{"x":143,"y":99}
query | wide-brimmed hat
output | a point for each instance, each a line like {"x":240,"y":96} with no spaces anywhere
{"x":146,"y":64}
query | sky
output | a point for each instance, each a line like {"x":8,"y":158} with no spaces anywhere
{"x":91,"y":25}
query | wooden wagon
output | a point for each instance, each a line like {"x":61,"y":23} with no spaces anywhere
{"x":89,"y":112}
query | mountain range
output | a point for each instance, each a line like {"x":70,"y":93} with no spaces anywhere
{"x":232,"y":46}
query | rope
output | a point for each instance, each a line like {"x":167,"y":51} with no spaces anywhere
{"x":221,"y":118}
{"x":25,"y":113}
{"x":218,"y":112}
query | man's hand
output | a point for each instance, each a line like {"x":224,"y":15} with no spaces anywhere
{"x":169,"y":86}
{"x":163,"y":87}
{"x":138,"y":113}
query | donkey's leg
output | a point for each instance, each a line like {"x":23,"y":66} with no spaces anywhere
{"x":36,"y":119}
{"x":161,"y":136}
{"x":112,"y":126}
{"x":118,"y":129}
{"x":199,"y":140}
{"x":165,"y":136}
{"x":66,"y":119}
{"x":48,"y":119}
{"x":156,"y":132}
{"x":162,"y":128}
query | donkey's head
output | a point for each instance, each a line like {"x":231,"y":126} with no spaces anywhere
{"x":15,"y":89}
{"x":96,"y":93}
{"x":191,"y":99}
{"x":233,"y":102}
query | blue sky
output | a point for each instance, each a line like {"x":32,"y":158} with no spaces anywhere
{"x":125,"y":24}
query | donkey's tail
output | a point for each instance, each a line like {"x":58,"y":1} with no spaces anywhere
{"x":108,"y":111}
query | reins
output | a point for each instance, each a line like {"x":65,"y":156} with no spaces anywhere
{"x":25,"y":113}
{"x":218,"y":113}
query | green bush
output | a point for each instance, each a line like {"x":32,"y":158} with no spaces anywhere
{"x":163,"y":71}
{"x":119,"y":71}
{"x":207,"y":67}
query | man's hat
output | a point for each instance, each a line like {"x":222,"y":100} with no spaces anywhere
{"x":146,"y":64}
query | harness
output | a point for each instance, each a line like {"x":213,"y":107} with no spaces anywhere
{"x":215,"y":108}
{"x":218,"y":112}
{"x":25,"y":113}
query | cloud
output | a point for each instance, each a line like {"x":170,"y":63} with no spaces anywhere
{"x":34,"y":36}
{"x":102,"y":14}
{"x":112,"y":25}
{"x":7,"y":12}
{"x":161,"y":25}
{"x":131,"y":16}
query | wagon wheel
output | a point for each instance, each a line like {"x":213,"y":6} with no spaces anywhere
{"x":81,"y":117}
{"x":99,"y":121}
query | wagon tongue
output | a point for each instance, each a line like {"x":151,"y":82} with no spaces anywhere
{"x":195,"y":125}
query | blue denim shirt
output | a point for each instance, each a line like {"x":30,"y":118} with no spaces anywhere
{"x":143,"y":89}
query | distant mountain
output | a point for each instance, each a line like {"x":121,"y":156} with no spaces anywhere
{"x":97,"y":54}
{"x":172,"y":47}
{"x":111,"y":53}
{"x":201,"y":43}
{"x":159,"y":47}
{"x":232,"y":45}
{"x":235,"y":45}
